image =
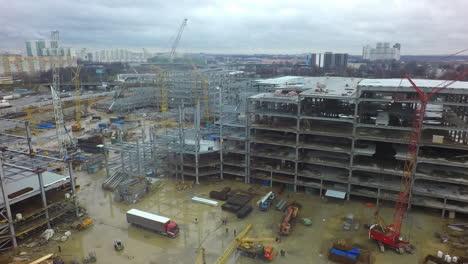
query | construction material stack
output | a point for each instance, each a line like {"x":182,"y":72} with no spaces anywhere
{"x":238,"y":204}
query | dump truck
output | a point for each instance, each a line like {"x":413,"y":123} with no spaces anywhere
{"x":159,"y":224}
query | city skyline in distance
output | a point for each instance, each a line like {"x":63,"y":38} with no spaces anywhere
{"x":264,"y":27}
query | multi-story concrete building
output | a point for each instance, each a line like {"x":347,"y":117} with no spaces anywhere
{"x":382,"y":51}
{"x":316,"y":134}
{"x":335,"y":60}
{"x":37,"y":48}
{"x":11,"y":64}
{"x":119,"y":55}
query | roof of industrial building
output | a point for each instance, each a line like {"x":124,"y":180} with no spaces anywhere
{"x":421,"y":83}
{"x":345,"y":87}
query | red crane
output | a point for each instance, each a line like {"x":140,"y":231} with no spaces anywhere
{"x":390,"y":235}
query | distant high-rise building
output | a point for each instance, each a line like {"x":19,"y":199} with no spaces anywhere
{"x":335,"y":60}
{"x":311,"y":59}
{"x":44,"y":47}
{"x":382,"y":51}
{"x":119,"y":55}
{"x":36,"y":47}
{"x":328,"y":60}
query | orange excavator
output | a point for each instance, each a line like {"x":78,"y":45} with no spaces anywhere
{"x":291,"y":214}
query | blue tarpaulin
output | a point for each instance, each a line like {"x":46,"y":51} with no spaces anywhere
{"x":352,"y":254}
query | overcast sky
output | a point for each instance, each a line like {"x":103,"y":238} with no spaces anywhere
{"x":241,"y":26}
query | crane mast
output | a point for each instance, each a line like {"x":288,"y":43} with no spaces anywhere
{"x":176,"y":41}
{"x":77,"y":126}
{"x":57,"y":102}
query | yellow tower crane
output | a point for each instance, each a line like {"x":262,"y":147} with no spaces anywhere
{"x":162,"y":77}
{"x":206,"y":97}
{"x":76,"y":79}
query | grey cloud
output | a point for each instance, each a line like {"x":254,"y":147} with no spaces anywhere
{"x":422,"y":26}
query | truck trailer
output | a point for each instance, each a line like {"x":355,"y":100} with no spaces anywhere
{"x":160,"y":224}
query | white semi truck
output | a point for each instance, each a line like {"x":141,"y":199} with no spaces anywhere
{"x":160,"y":224}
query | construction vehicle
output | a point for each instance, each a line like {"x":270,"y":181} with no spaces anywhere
{"x":233,"y":246}
{"x":253,"y":248}
{"x":157,"y":223}
{"x":265,"y":201}
{"x":390,"y":235}
{"x":291,"y":213}
{"x":76,"y":79}
{"x":81,"y":225}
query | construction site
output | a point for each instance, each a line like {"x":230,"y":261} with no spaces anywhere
{"x":211,"y":165}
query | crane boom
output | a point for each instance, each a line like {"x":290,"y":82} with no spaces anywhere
{"x":401,"y":204}
{"x":176,"y":41}
{"x":76,"y":80}
{"x":233,"y":246}
{"x":390,"y":235}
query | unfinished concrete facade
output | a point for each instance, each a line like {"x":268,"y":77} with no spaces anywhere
{"x":348,"y":135}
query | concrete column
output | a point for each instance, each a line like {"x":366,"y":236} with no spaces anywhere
{"x":298,"y":126}
{"x":43,"y":196}
{"x":378,"y":198}
{"x":443,"y":209}
{"x":247,"y":141}
{"x":7,"y":205}
{"x":353,"y":139}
